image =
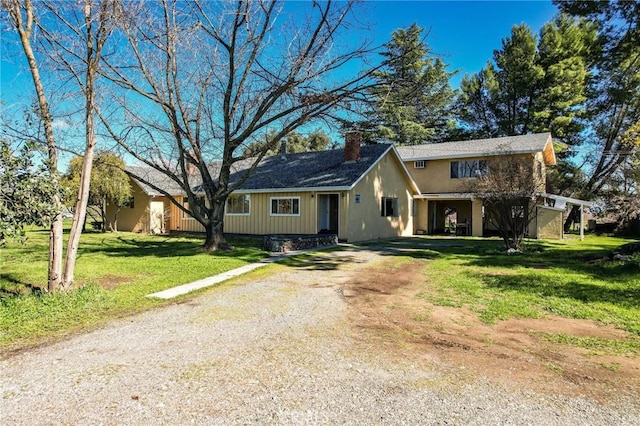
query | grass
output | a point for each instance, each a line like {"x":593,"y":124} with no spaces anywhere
{"x":114,"y":273}
{"x":595,"y":345}
{"x":569,"y":278}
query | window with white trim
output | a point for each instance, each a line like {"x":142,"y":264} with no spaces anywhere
{"x":418,"y":164}
{"x":468,"y":169}
{"x":238,"y":204}
{"x":285,"y":206}
{"x":389,"y":207}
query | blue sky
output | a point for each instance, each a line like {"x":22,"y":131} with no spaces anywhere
{"x":464,"y":33}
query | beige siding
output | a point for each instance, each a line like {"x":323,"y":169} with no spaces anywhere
{"x":421,"y":217}
{"x":365,"y":221}
{"x":260,"y":221}
{"x":134,"y":219}
{"x":476,"y":218}
{"x":540,"y":172}
{"x":435,"y":177}
{"x":550,"y":223}
{"x":181,"y":221}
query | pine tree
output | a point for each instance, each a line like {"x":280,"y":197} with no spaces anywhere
{"x":413,"y":98}
{"x":533,"y":84}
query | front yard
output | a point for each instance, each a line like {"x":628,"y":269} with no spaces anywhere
{"x":455,"y":293}
{"x":114,"y":272}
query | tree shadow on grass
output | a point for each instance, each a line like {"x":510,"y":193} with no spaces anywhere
{"x":11,"y":286}
{"x":594,"y":263}
{"x":548,"y":286}
{"x":168,"y":246}
{"x":430,"y":248}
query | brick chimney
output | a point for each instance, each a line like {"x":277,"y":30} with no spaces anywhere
{"x":352,"y":146}
{"x":283,"y":148}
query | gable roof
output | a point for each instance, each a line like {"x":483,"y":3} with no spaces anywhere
{"x":155,"y":177}
{"x":319,"y":170}
{"x":307,"y":171}
{"x":524,"y":144}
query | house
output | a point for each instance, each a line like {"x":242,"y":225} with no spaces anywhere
{"x":443,"y":171}
{"x":358,"y":193}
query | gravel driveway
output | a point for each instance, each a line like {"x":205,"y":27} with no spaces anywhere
{"x":276,"y":349}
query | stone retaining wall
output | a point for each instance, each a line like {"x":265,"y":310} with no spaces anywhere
{"x":285,"y":243}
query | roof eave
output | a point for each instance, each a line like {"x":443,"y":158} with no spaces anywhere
{"x":298,"y":189}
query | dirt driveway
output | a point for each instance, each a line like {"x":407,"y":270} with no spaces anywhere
{"x":332,"y":339}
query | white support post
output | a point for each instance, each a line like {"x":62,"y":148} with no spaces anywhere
{"x":581,"y":222}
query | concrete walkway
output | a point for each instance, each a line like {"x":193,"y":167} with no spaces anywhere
{"x":172,"y":292}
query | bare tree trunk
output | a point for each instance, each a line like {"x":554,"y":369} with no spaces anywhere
{"x":103,"y":214}
{"x":54,"y":275}
{"x":572,"y":217}
{"x":16,"y":9}
{"x":92,"y":61}
{"x":114,"y":225}
{"x":214,"y":230}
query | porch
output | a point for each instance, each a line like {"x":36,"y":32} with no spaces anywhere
{"x":453,"y":214}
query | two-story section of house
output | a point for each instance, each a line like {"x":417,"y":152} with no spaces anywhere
{"x":443,"y":172}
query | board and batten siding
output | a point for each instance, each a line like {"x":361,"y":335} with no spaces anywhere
{"x":181,"y":221}
{"x":259,"y":221}
{"x":364,"y":218}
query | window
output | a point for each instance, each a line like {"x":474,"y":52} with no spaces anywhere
{"x":418,"y":164}
{"x":129,"y":204}
{"x":389,"y":207}
{"x":285,"y":206}
{"x":468,"y":169}
{"x":539,"y":167}
{"x":238,"y":204}
{"x":201,"y":207}
{"x":185,"y":204}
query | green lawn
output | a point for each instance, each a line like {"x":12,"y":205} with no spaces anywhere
{"x":569,"y":278}
{"x":114,"y":272}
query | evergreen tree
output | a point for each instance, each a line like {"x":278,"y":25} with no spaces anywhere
{"x":412,"y":99}
{"x":26,"y":191}
{"x":614,"y":102}
{"x":532,"y":85}
{"x":615,"y":90}
{"x":317,"y":140}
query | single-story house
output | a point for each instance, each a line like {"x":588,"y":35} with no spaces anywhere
{"x":358,"y":193}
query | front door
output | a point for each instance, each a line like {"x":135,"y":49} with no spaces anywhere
{"x":328,"y":213}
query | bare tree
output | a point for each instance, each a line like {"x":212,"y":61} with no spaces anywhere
{"x":74,"y":42}
{"x":80,"y":55}
{"x":509,"y":191}
{"x":22,"y":18}
{"x":202,"y":80}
